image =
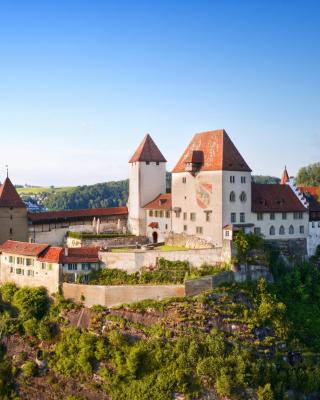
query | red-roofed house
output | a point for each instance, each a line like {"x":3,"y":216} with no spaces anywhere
{"x":33,"y":264}
{"x":159,"y":217}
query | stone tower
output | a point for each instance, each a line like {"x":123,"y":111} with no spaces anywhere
{"x":147,"y":179}
{"x":13,"y":214}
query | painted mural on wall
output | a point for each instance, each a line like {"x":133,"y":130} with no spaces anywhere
{"x":203,"y":191}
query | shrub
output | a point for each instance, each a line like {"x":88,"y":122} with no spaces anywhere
{"x":31,"y":302}
{"x":7,"y":291}
{"x":29,"y":369}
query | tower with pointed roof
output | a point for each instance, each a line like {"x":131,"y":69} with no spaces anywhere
{"x":285,"y":177}
{"x":13,"y":214}
{"x":147,"y":179}
{"x":211,"y":188}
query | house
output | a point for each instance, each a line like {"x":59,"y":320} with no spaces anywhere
{"x":33,"y":264}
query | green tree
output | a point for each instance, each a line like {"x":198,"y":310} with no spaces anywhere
{"x":31,"y":302}
{"x":265,"y":393}
{"x":309,"y":175}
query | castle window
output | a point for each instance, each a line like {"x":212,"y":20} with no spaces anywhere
{"x":72,"y":267}
{"x":260,"y":216}
{"x":243,"y":197}
{"x":291,"y":230}
{"x":184,"y":216}
{"x":29,"y":261}
{"x":232,"y":179}
{"x":161,"y":214}
{"x":157,"y":163}
{"x":233,"y":217}
{"x":43,"y":265}
{"x":184,"y":180}
{"x":185,"y":228}
{"x":192,"y":216}
{"x":150,"y":213}
{"x":166,"y":226}
{"x":301,"y":229}
{"x":19,"y":271}
{"x":232,"y":196}
{"x":199,"y":230}
{"x":20,"y":260}
{"x":272,"y":215}
{"x":272,"y":230}
{"x":11,"y":231}
{"x":208,"y":216}
{"x":11,"y":259}
{"x":257,"y":231}
{"x":281,"y":230}
{"x":147,"y":162}
{"x":167,"y":214}
{"x":284,"y":215}
{"x":298,"y":215}
{"x":242,"y":217}
{"x":243,"y":179}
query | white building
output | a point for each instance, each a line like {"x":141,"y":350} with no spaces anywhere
{"x":212,"y":193}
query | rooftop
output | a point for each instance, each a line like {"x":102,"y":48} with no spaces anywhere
{"x":147,"y":151}
{"x":161,"y":202}
{"x":9,"y":197}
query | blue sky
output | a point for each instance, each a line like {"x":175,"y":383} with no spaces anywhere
{"x":81,"y":82}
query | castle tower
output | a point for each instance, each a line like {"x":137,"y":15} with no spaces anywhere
{"x":147,"y":179}
{"x":211,"y":188}
{"x":13,"y":214}
{"x":285,"y":177}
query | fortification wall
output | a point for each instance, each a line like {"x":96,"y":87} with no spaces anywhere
{"x":132,"y":261}
{"x":107,"y":242}
{"x":109,"y":296}
{"x":55,"y":237}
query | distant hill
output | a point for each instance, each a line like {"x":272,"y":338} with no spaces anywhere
{"x":265,"y":179}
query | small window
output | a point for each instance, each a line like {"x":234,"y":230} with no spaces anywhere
{"x":272,"y":216}
{"x":242,"y":217}
{"x":227,"y":233}
{"x":301,"y":229}
{"x":157,"y":162}
{"x":298,"y":215}
{"x":11,"y":231}
{"x":11,"y":270}
{"x":318,"y":224}
{"x":177,"y":214}
{"x":233,"y":217}
{"x":185,"y":228}
{"x":150,"y":213}
{"x":284,"y":215}
{"x":312,"y":224}
{"x":243,"y":197}
{"x":192,"y":216}
{"x":208,"y":216}
{"x":166,"y":226}
{"x":257,"y":231}
{"x":161,"y":214}
{"x":260,"y":216}
{"x":43,"y":265}
{"x":281,"y":230}
{"x":291,"y":230}
{"x":11,"y":259}
{"x":184,"y":180}
{"x":49,"y":267}
{"x":199,"y":230}
{"x":184,"y":216}
{"x":19,"y":271}
{"x":243,"y":179}
{"x":272,"y":230}
{"x":156,"y":213}
{"x":232,"y":196}
{"x":167,"y":214}
{"x":147,"y":162}
{"x":232,"y":179}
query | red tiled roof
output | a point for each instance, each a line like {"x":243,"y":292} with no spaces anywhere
{"x":23,"y":248}
{"x":52,"y":254}
{"x":285,"y":177}
{"x":161,"y":202}
{"x":147,"y":151}
{"x":9,"y":197}
{"x":274,"y":198}
{"x":64,"y":215}
{"x":312,"y":194}
{"x":80,"y":254}
{"x":216,"y":151}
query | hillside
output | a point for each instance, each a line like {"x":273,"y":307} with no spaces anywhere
{"x":242,"y":341}
{"x":108,"y":194}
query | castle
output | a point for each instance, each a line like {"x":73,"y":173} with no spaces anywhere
{"x":212,"y":195}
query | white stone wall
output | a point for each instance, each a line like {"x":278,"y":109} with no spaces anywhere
{"x":266,"y":223}
{"x":39,"y":274}
{"x":54,"y":237}
{"x":146,"y":181}
{"x":313,"y":239}
{"x":164,"y":223}
{"x":237,"y":186}
{"x":198,"y":194}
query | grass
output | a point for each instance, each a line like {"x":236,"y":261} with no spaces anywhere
{"x":40,"y":190}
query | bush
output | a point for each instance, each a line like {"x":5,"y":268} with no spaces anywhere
{"x":31,"y":302}
{"x":7,"y":291}
{"x":29,"y":369}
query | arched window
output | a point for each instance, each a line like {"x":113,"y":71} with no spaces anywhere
{"x":272,"y":230}
{"x":291,"y":230}
{"x":281,"y":230}
{"x":232,"y":196}
{"x":243,"y":197}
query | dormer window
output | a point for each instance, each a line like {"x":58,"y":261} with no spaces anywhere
{"x":194,"y":163}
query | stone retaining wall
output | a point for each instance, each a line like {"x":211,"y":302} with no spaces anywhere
{"x":107,"y":242}
{"x":109,"y":296}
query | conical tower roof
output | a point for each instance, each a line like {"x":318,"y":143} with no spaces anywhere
{"x":285,"y":177}
{"x":215,"y":152}
{"x":9,"y":197}
{"x":147,"y":151}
